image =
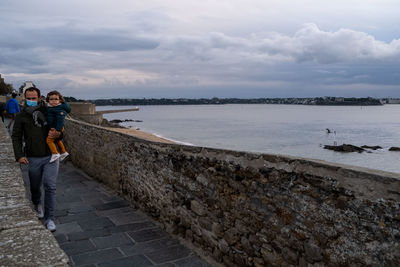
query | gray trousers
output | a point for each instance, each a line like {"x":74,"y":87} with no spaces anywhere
{"x":40,"y":171}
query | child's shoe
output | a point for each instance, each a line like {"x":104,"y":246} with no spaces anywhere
{"x":63,"y":156}
{"x":54,"y":157}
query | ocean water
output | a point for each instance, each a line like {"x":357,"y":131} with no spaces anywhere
{"x":296,"y":130}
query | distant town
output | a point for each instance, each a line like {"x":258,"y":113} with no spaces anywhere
{"x":338,"y":101}
{"x":6,"y":89}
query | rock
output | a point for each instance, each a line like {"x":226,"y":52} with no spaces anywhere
{"x":116,"y":121}
{"x":197,"y":208}
{"x":231,"y":236}
{"x":313,"y":252}
{"x":223,"y":246}
{"x":394,"y":148}
{"x":345,"y":148}
{"x":217,"y":230}
{"x":371,"y":147}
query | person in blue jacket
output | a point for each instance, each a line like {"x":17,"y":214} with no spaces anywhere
{"x":57,"y":109}
{"x":12,"y":108}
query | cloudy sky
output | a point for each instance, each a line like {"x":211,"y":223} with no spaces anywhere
{"x":189,"y":48}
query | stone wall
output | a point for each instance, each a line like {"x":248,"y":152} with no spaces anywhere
{"x":247,"y":209}
{"x":24,"y":241}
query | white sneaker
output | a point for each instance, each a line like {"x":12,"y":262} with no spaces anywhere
{"x":50,"y":225}
{"x":39,"y":210}
{"x":63,"y":156}
{"x":54,"y":157}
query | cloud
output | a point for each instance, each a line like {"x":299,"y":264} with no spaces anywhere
{"x":66,"y":37}
{"x":309,"y":44}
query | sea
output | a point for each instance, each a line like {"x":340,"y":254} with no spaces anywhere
{"x":295,"y":130}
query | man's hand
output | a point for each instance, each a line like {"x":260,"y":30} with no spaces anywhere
{"x":23,"y":160}
{"x":54,"y":134}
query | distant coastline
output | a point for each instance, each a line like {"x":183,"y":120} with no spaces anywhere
{"x":326,"y":101}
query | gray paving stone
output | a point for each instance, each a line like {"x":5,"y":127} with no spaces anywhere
{"x":133,"y":261}
{"x":112,"y":205}
{"x":133,"y":227}
{"x":58,"y":213}
{"x":69,"y":205}
{"x":151,"y":246}
{"x":147,"y":235}
{"x":77,"y":247}
{"x":109,"y":212}
{"x":67,"y":198}
{"x":89,"y":234}
{"x":77,"y":217}
{"x":193,"y":261}
{"x":61,"y":238}
{"x":81,"y":209}
{"x":114,"y":240}
{"x":95,"y":223}
{"x":112,"y":198}
{"x":169,"y":254}
{"x":68,"y":228}
{"x":128,"y":217}
{"x":96,"y":256}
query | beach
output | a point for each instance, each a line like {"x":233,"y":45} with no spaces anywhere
{"x":141,"y":134}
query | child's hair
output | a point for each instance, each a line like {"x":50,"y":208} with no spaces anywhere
{"x":57,"y":94}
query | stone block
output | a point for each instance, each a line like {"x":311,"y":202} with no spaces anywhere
{"x":95,"y":223}
{"x":127,"y":217}
{"x":98,"y":256}
{"x":30,"y":246}
{"x":113,"y":240}
{"x":147,"y":235}
{"x":112,"y":205}
{"x":80,"y":235}
{"x":148,"y":247}
{"x":133,"y":227}
{"x":77,"y":247}
{"x":132,"y":261}
{"x":68,"y":228}
{"x":18,"y":217}
{"x":77,"y":217}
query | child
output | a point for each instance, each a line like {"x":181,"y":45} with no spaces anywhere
{"x":56,"y":111}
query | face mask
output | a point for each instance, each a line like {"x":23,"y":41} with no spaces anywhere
{"x":31,"y":103}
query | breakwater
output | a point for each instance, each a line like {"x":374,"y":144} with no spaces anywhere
{"x":24,"y":241}
{"x":248,"y":209}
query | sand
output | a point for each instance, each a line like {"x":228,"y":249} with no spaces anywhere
{"x":141,"y":134}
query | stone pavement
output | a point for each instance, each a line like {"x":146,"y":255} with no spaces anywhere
{"x":95,"y":227}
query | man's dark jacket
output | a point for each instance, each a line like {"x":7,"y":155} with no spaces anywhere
{"x":34,"y":136}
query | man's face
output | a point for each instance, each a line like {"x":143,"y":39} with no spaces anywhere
{"x":31,"y":95}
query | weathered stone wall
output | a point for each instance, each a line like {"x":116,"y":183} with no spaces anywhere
{"x":249,"y":209}
{"x":24,"y":241}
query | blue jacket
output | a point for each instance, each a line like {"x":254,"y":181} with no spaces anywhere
{"x":56,"y":116}
{"x":12,"y":106}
